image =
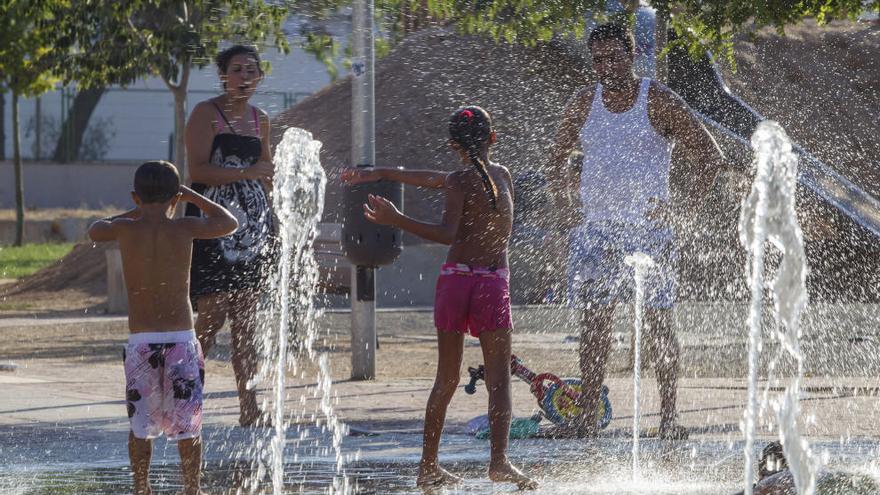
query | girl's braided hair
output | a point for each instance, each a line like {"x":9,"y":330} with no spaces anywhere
{"x":471,"y":128}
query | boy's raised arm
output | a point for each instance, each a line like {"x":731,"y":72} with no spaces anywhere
{"x":217,"y":221}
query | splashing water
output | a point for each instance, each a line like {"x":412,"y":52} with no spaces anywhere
{"x":768,"y":214}
{"x":299,"y":203}
{"x":641,"y":264}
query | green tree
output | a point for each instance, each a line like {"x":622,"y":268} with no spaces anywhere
{"x":394,"y":20}
{"x":29,"y":49}
{"x":119,"y":42}
{"x":699,"y":24}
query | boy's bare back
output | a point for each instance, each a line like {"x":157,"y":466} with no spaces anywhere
{"x":483,"y":232}
{"x":157,"y":248}
{"x":156,"y":258}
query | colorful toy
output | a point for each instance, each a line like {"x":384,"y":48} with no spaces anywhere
{"x":557,"y":397}
{"x":519,"y":427}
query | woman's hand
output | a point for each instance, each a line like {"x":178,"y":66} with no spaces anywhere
{"x":380,"y":210}
{"x":268,"y":185}
{"x":352,"y":176}
{"x":261,"y":171}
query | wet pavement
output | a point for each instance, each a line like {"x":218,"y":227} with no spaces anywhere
{"x":63,"y":427}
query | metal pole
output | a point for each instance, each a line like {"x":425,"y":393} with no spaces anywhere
{"x":64,"y":119}
{"x":38,"y":121}
{"x":71,"y":129}
{"x":363,"y":153}
{"x":2,"y":123}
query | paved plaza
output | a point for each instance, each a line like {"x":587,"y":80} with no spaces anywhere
{"x":61,"y":408}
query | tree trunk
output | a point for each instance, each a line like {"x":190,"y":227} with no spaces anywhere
{"x":38,"y":128}
{"x":70,"y":140}
{"x":2,"y":124}
{"x":179,"y":137}
{"x":179,"y":92}
{"x":19,"y":180}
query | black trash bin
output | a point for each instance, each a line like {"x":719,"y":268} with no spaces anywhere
{"x":365,"y":243}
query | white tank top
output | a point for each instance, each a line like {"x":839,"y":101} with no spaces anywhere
{"x":626,"y":162}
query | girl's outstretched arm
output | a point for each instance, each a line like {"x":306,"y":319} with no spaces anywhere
{"x":382,"y":211}
{"x":431,"y":179}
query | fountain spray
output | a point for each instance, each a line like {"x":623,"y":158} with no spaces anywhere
{"x":299,"y":203}
{"x":641,"y":264}
{"x":768,"y":214}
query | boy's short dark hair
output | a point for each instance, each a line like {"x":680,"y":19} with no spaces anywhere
{"x":156,"y":182}
{"x":612,"y":31}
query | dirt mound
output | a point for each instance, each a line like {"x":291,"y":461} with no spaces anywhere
{"x":823,"y":85}
{"x":419,"y":84}
{"x":77,"y":280}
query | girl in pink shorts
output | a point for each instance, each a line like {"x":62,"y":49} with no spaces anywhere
{"x":472,"y":291}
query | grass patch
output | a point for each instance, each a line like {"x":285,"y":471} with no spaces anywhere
{"x":15,"y":306}
{"x":17,"y":262}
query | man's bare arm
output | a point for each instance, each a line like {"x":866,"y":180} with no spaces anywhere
{"x":559,"y":176}
{"x":704,"y":156}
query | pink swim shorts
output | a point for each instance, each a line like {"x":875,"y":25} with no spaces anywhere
{"x":164,"y":378}
{"x":472,"y":299}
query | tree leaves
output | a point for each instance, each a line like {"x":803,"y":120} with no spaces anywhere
{"x":120,"y":42}
{"x":28,"y":41}
{"x":700,"y":25}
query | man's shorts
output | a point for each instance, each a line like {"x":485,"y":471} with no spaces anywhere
{"x":472,"y":299}
{"x":598,"y":275}
{"x":164,"y":378}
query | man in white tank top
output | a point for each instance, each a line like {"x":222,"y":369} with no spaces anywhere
{"x":626,"y":128}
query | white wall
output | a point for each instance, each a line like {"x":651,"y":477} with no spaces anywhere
{"x":69,"y":185}
{"x":142,"y":115}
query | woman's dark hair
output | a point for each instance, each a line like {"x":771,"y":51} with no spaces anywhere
{"x":156,"y":182}
{"x":612,"y":31}
{"x":224,"y":57}
{"x":471,"y":128}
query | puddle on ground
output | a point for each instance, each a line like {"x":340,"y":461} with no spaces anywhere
{"x":386,"y":479}
{"x":686,"y":468}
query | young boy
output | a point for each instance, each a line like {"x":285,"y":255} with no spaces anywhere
{"x":164,"y":366}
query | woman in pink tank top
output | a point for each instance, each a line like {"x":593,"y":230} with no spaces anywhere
{"x":230,"y":162}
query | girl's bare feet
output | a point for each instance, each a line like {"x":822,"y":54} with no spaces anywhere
{"x":505,"y":472}
{"x":432,"y":475}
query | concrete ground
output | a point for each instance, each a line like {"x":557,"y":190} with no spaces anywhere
{"x":61,"y":408}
